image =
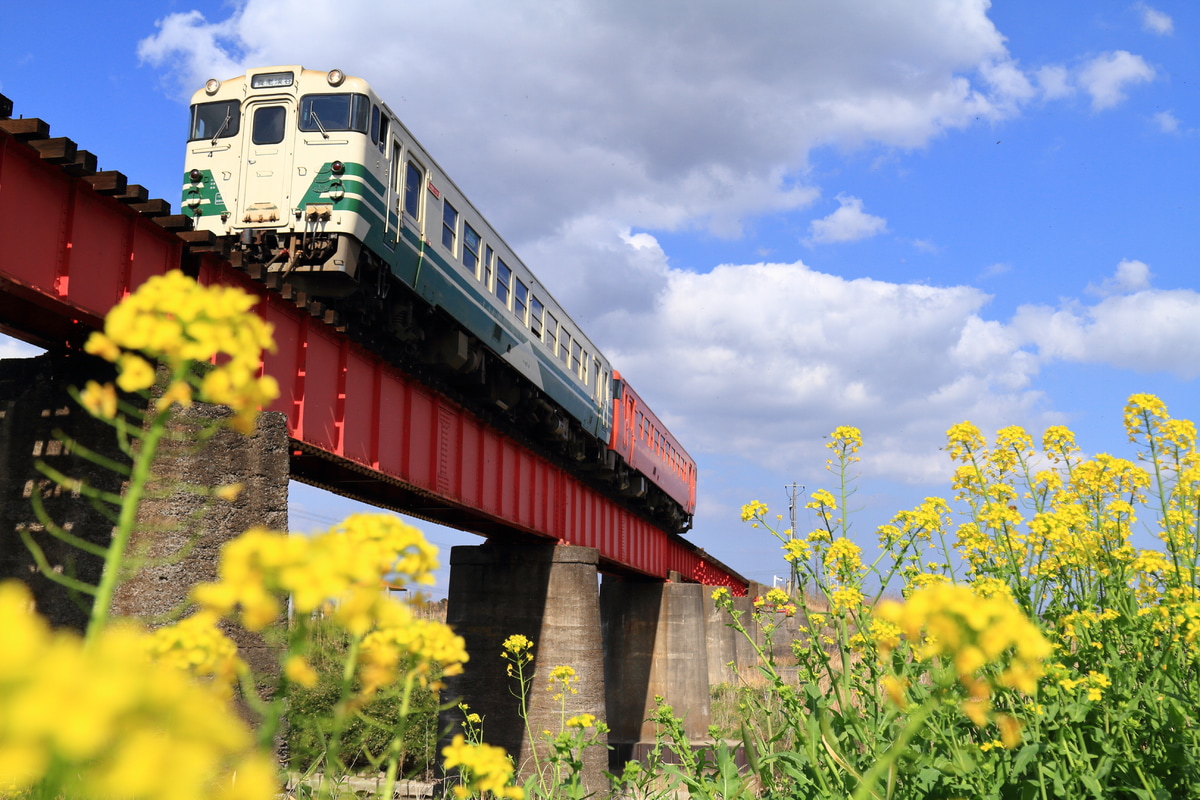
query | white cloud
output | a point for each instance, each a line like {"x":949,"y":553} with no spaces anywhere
{"x":1145,"y":331}
{"x":1167,"y":122}
{"x":1054,"y":81}
{"x":1130,"y":276}
{"x":1107,"y":76}
{"x":848,"y":224}
{"x":761,"y":361}
{"x":1155,"y":21}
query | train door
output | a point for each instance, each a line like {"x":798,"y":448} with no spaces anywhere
{"x":267,"y":154}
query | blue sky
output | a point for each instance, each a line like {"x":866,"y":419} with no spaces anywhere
{"x":774,"y":218}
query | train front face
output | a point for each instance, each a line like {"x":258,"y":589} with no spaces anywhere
{"x":280,"y":161}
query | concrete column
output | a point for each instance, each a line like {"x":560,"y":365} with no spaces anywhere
{"x":720,"y":642}
{"x":174,"y":520}
{"x":548,"y":593}
{"x":34,"y":403}
{"x":655,"y":646}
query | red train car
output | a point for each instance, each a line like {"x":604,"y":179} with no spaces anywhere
{"x":640,"y":438}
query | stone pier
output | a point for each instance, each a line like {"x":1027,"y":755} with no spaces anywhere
{"x":656,"y":642}
{"x":547,"y":593}
{"x":36,"y":410}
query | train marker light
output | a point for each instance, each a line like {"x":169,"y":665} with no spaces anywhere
{"x":337,"y":167}
{"x":195,"y":175}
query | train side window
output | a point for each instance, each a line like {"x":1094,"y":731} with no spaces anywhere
{"x":360,"y":113}
{"x":536,"y":309}
{"x":520,"y":299}
{"x":489,"y":258}
{"x":268,"y":124}
{"x":583,"y":367}
{"x":375,"y":124}
{"x":573,"y":364}
{"x":397,"y":174}
{"x":503,"y":281}
{"x":551,"y":337}
{"x":449,"y":225}
{"x":564,"y":345}
{"x":470,"y":254}
{"x":599,"y":376}
{"x":412,"y":189}
{"x":216,"y":120}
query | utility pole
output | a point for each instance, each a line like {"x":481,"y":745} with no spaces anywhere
{"x":794,"y":492}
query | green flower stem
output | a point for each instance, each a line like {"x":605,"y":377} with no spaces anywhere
{"x":393,"y":763}
{"x":113,"y":561}
{"x":884,"y":764}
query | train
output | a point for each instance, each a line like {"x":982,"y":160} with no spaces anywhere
{"x":311,"y":177}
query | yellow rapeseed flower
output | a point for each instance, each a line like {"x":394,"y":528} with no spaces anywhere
{"x":113,"y":720}
{"x":483,"y":768}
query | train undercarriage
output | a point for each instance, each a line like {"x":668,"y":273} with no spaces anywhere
{"x":385,"y":316}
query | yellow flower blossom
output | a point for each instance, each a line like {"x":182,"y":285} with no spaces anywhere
{"x":753,"y":510}
{"x":111,"y":720}
{"x":99,"y":400}
{"x":483,"y":768}
{"x":175,"y":321}
{"x":582,"y":721}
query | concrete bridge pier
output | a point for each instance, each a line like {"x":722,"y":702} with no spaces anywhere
{"x":34,"y":403}
{"x":657,"y":646}
{"x":547,"y":593}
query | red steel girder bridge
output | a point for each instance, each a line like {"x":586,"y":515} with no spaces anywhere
{"x":74,"y":241}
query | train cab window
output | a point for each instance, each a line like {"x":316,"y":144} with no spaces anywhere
{"x":503,"y":281}
{"x":489,"y":258}
{"x":384,"y":127}
{"x":520,"y":299}
{"x":470,"y":254}
{"x":412,"y":189}
{"x":268,"y":124}
{"x":322,"y":113}
{"x":375,"y":124}
{"x":449,"y":225}
{"x":215,"y":120}
{"x":536,"y":309}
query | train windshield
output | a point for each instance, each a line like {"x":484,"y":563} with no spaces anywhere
{"x":334,"y":112}
{"x":215,"y":120}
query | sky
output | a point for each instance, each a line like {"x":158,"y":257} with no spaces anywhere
{"x":774,"y":218}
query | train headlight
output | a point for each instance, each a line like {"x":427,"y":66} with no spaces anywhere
{"x":336,"y":191}
{"x":212,"y":85}
{"x":335,"y":77}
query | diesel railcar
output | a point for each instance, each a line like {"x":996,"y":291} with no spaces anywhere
{"x":312,"y":176}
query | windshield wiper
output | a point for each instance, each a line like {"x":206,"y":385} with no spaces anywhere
{"x":224,"y":125}
{"x":317,"y":120}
